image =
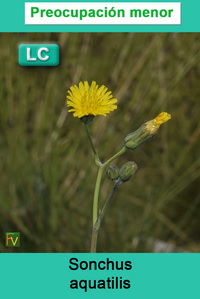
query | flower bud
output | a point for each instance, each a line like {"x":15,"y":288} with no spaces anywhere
{"x":146,"y":131}
{"x":113,"y":172}
{"x":127,"y":171}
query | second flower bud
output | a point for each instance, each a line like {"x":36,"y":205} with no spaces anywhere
{"x":127,"y":171}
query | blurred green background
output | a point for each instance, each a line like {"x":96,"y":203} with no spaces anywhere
{"x":47,"y":169}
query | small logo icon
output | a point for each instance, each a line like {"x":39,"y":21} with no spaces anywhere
{"x":38,"y":54}
{"x":12,"y":239}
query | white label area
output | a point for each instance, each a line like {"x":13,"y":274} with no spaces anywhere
{"x":102,"y":13}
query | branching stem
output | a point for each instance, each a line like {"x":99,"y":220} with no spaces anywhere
{"x":98,"y":216}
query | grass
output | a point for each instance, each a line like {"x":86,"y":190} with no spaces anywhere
{"x":47,"y":173}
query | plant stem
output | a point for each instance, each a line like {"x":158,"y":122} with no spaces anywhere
{"x":96,"y":157}
{"x":93,"y":248}
{"x":96,"y":194}
{"x":107,"y":202}
{"x":96,"y":226}
{"x":121,"y":152}
{"x":98,"y":182}
{"x":90,"y":139}
{"x":96,"y":215}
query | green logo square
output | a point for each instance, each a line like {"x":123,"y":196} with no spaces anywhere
{"x":12,"y":239}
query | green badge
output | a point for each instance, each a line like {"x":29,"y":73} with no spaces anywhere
{"x":38,"y":55}
{"x":12,"y":239}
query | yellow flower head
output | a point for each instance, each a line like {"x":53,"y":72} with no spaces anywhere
{"x":86,"y":99}
{"x":153,"y":125}
{"x":161,"y":118}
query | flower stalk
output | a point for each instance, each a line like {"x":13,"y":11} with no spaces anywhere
{"x":96,"y":226}
{"x":96,"y":156}
{"x":101,"y":169}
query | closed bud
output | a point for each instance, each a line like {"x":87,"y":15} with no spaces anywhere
{"x":113,"y":172}
{"x":127,"y":171}
{"x":133,"y":140}
{"x":146,"y":131}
